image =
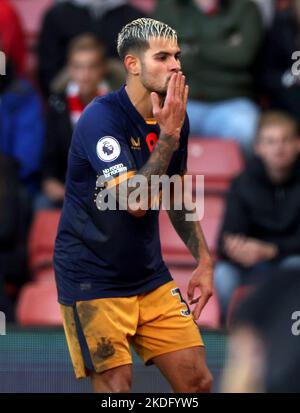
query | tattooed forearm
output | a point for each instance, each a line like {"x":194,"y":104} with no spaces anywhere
{"x":157,"y":164}
{"x":190,"y":232}
{"x":160,"y":158}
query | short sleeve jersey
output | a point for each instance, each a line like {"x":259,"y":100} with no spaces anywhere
{"x":110,"y":253}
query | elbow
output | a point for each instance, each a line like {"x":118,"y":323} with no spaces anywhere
{"x":137,"y":209}
{"x":139,"y":213}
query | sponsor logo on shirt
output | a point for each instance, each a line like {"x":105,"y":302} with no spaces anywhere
{"x":114,"y":170}
{"x":108,"y":149}
{"x":135,"y":143}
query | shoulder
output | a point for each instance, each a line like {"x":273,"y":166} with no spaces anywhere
{"x":102,"y":111}
{"x":22,"y":94}
{"x":243,"y":6}
{"x":238,"y":182}
{"x":102,"y":117}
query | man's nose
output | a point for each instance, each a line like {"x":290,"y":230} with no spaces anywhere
{"x":175,"y":66}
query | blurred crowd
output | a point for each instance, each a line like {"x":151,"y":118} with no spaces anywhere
{"x":244,"y":85}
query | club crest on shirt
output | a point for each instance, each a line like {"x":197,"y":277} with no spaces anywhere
{"x":108,"y":148}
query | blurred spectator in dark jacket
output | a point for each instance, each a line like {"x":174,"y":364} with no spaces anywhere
{"x":261,"y":228}
{"x":12,"y":36}
{"x":263,"y":345}
{"x":70,"y":18}
{"x":280,"y":84}
{"x":219,"y":40}
{"x":21,"y":126}
{"x":14,"y":222}
{"x":86,"y":69}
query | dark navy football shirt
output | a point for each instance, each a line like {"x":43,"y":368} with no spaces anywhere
{"x":109,"y":253}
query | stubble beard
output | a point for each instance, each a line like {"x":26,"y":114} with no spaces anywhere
{"x":150,"y":87}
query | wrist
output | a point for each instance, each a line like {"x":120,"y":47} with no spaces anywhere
{"x":171,"y":134}
{"x":170,"y":140}
{"x":205,"y":261}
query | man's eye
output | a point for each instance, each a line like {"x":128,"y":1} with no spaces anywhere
{"x":162,"y":58}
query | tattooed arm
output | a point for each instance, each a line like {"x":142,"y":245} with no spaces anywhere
{"x":192,"y":235}
{"x":157,"y":164}
{"x":190,"y":232}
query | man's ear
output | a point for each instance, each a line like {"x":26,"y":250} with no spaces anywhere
{"x":132,"y":64}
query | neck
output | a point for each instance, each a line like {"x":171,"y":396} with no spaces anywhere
{"x":140,"y":98}
{"x":278,"y":175}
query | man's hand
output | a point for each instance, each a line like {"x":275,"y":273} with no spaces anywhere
{"x":202,"y":278}
{"x":171,"y":115}
{"x":248,"y":251}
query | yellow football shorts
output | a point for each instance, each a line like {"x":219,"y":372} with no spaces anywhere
{"x":99,"y":332}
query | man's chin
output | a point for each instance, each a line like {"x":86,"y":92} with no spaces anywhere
{"x":161,"y":93}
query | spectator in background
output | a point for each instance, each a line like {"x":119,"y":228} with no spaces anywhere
{"x":12,"y":35}
{"x":14,"y":223}
{"x":70,"y":18}
{"x":261,"y":228}
{"x":263,"y":345}
{"x":86,"y":68}
{"x":281,"y":86}
{"x":220,"y":40}
{"x":21,"y":126}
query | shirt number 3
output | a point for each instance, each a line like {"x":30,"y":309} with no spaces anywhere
{"x":187,"y":312}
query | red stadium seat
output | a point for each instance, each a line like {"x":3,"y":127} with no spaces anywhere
{"x":42,"y":238}
{"x":237,"y":298}
{"x":210,"y":316}
{"x":218,"y":160}
{"x":31,"y":13}
{"x":173,"y":249}
{"x":44,"y":275}
{"x":38,"y":305}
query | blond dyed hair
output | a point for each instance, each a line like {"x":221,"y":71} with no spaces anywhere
{"x":85,"y":42}
{"x":277,"y":118}
{"x":135,"y":36}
